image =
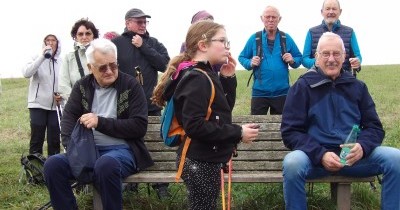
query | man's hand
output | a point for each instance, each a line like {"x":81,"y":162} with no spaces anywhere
{"x":137,"y":41}
{"x":89,"y":120}
{"x":356,"y":153}
{"x":355,"y":63}
{"x":288,"y":58}
{"x":331,"y":162}
{"x":255,"y":61}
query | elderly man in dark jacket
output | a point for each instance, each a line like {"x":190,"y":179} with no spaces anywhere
{"x":320,"y":110}
{"x":113,"y":105}
{"x":137,"y":50}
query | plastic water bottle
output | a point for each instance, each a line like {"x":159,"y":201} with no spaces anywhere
{"x":349,"y":143}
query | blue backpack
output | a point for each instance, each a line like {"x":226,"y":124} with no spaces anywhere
{"x":172,"y":132}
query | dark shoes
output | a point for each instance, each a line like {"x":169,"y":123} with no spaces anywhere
{"x":131,"y":187}
{"x":162,"y":191}
{"x":160,"y":188}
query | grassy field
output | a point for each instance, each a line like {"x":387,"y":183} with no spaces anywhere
{"x":15,"y":131}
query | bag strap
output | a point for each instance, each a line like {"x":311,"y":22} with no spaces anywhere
{"x":282,"y":37}
{"x":78,"y":61}
{"x":259,"y":51}
{"x":188,"y":139}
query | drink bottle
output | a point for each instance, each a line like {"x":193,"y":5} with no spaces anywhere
{"x":349,"y":143}
{"x":48,"y":53}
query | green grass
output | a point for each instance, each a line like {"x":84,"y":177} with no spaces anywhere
{"x":382,"y":82}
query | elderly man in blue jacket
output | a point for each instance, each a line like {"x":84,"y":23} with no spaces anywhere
{"x":321,"y":109}
{"x":270,"y":63}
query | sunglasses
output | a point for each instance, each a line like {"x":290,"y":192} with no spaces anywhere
{"x":87,"y":33}
{"x":103,"y":68}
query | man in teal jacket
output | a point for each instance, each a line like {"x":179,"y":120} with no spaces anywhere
{"x":271,"y":73}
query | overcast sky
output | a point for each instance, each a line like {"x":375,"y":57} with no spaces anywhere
{"x":26,"y":22}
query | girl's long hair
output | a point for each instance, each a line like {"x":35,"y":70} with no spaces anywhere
{"x":202,"y":30}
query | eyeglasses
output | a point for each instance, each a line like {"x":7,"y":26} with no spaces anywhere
{"x":141,"y":22}
{"x":103,"y":68}
{"x":327,"y":54}
{"x":227,"y":44}
{"x":87,"y":33}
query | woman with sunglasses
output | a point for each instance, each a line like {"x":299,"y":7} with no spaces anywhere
{"x":74,"y":64}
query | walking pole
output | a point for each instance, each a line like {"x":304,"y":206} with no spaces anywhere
{"x":58,"y":116}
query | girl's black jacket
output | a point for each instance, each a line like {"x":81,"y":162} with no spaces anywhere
{"x":213,"y":140}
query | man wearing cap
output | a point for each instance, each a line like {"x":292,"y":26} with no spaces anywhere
{"x":137,"y":49}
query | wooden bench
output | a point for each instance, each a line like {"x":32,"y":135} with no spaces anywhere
{"x":258,"y":162}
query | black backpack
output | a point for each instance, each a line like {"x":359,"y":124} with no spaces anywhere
{"x":32,"y":166}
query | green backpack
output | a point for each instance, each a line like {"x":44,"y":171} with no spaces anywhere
{"x":32,"y":167}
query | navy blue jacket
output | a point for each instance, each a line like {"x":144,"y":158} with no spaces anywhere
{"x":319,"y":113}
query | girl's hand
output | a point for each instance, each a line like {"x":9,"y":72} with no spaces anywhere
{"x":228,"y":69}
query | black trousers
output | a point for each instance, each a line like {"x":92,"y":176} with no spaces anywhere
{"x":42,"y":120}
{"x":260,"y":106}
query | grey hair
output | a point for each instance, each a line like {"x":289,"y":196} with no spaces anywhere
{"x":102,"y":45}
{"x":323,"y":4}
{"x":273,"y":8}
{"x":331,"y":35}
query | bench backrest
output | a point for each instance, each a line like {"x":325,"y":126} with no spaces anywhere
{"x":264,"y":154}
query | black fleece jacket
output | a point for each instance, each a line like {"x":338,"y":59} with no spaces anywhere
{"x":213,"y":140}
{"x":151,"y":57}
{"x":131,"y":122}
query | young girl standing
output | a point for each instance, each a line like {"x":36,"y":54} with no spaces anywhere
{"x":214,"y":140}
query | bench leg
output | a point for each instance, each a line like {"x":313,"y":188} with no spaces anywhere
{"x":97,"y":205}
{"x":334,"y":188}
{"x":343,"y":196}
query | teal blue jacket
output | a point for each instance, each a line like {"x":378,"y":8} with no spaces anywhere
{"x":271,"y":78}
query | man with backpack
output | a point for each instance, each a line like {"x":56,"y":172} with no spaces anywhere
{"x":269,"y":53}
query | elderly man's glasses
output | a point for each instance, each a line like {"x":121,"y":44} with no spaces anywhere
{"x":141,"y":22}
{"x":87,"y":33}
{"x":327,"y":54}
{"x":103,"y":68}
{"x":227,"y":44}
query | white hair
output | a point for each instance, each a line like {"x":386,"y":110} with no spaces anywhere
{"x":330,"y":35}
{"x":102,"y":45}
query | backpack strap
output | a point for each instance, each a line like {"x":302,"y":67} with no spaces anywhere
{"x":282,"y":37}
{"x":259,"y":51}
{"x":78,"y":61}
{"x":188,"y":139}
